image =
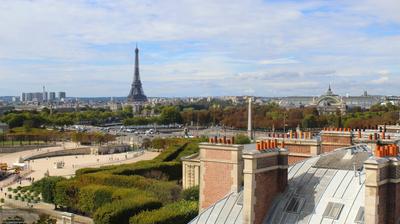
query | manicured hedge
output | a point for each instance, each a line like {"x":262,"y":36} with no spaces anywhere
{"x":171,"y":153}
{"x":176,"y":149}
{"x":66,"y":193}
{"x":166,"y":191}
{"x":190,"y":194}
{"x":176,"y":213}
{"x":121,"y":210}
{"x":92,"y":197}
{"x":151,"y":169}
{"x":189,"y":149}
{"x":95,"y":170}
{"x":163,"y":143}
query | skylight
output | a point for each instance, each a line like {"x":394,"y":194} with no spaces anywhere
{"x":333,"y":210}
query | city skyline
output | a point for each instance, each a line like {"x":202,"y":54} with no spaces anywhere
{"x":204,"y":48}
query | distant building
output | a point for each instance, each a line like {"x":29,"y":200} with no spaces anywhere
{"x":23,"y":97}
{"x":52,"y":96}
{"x":15,"y":99}
{"x":41,"y":97}
{"x":29,"y":97}
{"x":330,"y":102}
{"x":114,"y":105}
{"x":38,"y":97}
{"x":62,"y":96}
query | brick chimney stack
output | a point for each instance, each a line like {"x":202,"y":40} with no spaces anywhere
{"x":333,"y":138}
{"x":265,"y":177}
{"x":221,"y":170}
{"x":382,"y":187}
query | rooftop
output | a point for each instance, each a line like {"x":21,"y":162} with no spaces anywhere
{"x":322,"y":189}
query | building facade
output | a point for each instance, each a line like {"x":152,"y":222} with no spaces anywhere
{"x":329,"y":102}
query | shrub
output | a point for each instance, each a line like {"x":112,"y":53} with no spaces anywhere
{"x":242,"y":139}
{"x":166,"y":170}
{"x":45,"y":219}
{"x":159,"y":143}
{"x":189,"y":149}
{"x":119,"y":211}
{"x":1,"y":200}
{"x":165,"y":191}
{"x":93,"y":196}
{"x":176,"y":213}
{"x":66,"y":193}
{"x":47,"y":187}
{"x":171,"y":153}
{"x":95,"y":170}
{"x":190,"y":194}
{"x":9,"y":189}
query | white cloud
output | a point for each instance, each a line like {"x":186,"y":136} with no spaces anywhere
{"x":279,"y":61}
{"x":300,"y":46}
{"x":383,"y":77}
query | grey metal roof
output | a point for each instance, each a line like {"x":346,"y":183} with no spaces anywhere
{"x":308,"y":196}
{"x":227,"y":210}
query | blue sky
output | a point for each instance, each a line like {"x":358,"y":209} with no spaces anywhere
{"x":200,"y":47}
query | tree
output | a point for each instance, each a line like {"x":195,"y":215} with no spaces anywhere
{"x":146,"y":143}
{"x":128,"y":110}
{"x":170,"y":115}
{"x":309,"y":121}
{"x":242,"y":139}
{"x":45,"y":219}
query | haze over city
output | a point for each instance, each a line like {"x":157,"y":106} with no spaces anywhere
{"x":200,"y":48}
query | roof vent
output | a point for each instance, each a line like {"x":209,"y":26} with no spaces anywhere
{"x":333,"y":210}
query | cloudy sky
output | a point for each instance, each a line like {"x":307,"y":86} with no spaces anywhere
{"x":200,"y":47}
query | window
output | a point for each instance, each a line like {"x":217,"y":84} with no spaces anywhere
{"x":360,"y":216}
{"x":294,"y":205}
{"x":333,"y":210}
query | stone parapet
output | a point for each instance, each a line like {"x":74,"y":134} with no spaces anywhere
{"x":382,"y":190}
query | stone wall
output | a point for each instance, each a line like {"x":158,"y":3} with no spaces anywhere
{"x":23,"y":148}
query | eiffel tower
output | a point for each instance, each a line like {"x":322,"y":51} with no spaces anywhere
{"x":136,"y":95}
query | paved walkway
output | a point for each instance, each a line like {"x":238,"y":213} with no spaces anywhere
{"x":39,"y":167}
{"x":44,"y":208}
